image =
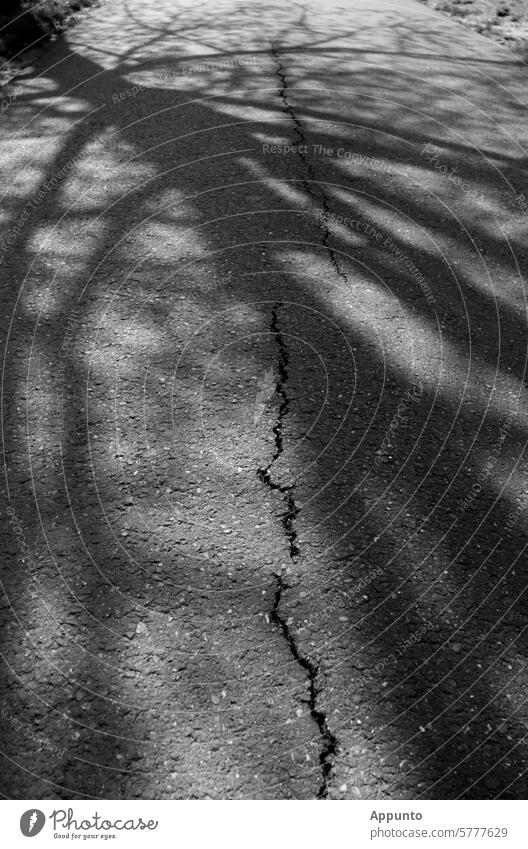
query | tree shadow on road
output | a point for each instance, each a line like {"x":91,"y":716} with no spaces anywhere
{"x":364,"y":277}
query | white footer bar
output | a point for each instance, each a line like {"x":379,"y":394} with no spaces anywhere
{"x":265,"y":824}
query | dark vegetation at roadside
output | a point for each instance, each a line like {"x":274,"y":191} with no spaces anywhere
{"x":26,"y":25}
{"x":505,"y":21}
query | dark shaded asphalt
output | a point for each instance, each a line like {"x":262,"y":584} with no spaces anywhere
{"x":264,"y":408}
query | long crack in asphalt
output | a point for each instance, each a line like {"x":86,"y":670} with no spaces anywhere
{"x":287,"y":490}
{"x":329,"y":741}
{"x":311,"y":186}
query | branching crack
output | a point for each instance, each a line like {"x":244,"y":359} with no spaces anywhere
{"x":264,"y":474}
{"x":329,"y":741}
{"x":311,"y":186}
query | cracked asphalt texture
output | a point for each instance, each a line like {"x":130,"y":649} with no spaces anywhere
{"x":239,"y":431}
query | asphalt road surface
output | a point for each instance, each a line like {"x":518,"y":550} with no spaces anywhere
{"x":264,"y":407}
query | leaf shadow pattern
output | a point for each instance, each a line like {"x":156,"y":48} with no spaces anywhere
{"x":149,"y":287}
